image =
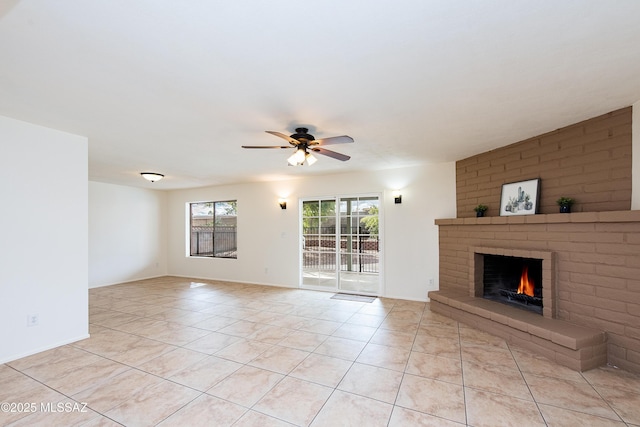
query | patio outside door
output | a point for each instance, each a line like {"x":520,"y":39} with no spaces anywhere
{"x":341,"y":244}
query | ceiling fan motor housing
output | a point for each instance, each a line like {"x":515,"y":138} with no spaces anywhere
{"x":301,"y":133}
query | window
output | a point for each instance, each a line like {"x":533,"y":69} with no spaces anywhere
{"x":214,"y":229}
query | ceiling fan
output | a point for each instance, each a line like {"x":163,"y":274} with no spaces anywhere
{"x":303,"y":143}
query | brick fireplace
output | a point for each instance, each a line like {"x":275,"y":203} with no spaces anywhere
{"x":590,"y":258}
{"x":591,"y":288}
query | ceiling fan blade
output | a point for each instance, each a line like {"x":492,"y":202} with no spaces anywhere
{"x":266,"y":146}
{"x":283,"y":136}
{"x":333,"y":154}
{"x":344,"y":139}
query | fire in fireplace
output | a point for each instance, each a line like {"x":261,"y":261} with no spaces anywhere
{"x":514,"y":281}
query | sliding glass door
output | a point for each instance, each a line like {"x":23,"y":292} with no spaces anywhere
{"x":341,"y":244}
{"x":319,"y":246}
{"x":359,"y":244}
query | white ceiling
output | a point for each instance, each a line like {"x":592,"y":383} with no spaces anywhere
{"x":178,"y":86}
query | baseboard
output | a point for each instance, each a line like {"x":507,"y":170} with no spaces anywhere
{"x":275,"y":285}
{"x":127,"y":281}
{"x":405,"y":298}
{"x":45,"y":348}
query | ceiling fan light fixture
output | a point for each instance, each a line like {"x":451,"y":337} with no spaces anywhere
{"x":302,"y":142}
{"x":298,"y":157}
{"x":292,"y":160}
{"x":310,"y":159}
{"x":152,"y":176}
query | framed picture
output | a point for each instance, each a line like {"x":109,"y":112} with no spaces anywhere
{"x":520,"y":198}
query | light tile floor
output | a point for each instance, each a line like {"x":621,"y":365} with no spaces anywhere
{"x":176,"y":352}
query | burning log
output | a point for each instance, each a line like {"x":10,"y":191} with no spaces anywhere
{"x":521,"y":297}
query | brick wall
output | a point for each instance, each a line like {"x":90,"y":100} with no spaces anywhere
{"x":589,"y":161}
{"x":597,"y":267}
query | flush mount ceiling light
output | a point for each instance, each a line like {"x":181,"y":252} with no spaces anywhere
{"x":152,"y":176}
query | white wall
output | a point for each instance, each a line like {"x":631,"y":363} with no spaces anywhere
{"x":635,"y":157}
{"x":268,"y":236}
{"x":127,"y":234}
{"x":43,"y":243}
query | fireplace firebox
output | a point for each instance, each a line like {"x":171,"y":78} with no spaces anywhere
{"x":498,"y":273}
{"x":514,"y":281}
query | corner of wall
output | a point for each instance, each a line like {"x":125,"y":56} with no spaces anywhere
{"x":127,"y":234}
{"x":635,"y":156}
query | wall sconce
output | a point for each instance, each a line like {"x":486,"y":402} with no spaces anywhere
{"x":397,"y":197}
{"x":152,"y":176}
{"x":282,"y":203}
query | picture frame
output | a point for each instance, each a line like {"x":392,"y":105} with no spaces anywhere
{"x":520,"y":198}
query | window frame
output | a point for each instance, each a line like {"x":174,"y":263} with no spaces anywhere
{"x":229,"y":253}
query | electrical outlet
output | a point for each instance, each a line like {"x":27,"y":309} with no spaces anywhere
{"x":33,"y":320}
{"x":431,"y":282}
